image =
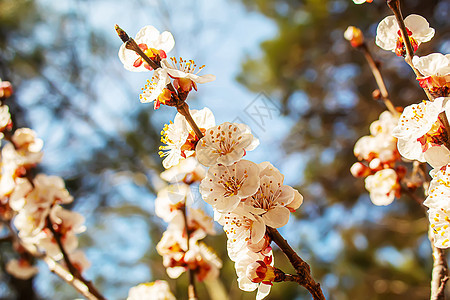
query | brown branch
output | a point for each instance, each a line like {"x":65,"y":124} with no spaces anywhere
{"x":74,"y":271}
{"x":192,"y":292}
{"x":184,"y":110}
{"x":301,"y":267}
{"x":53,"y":266}
{"x":439,"y":275}
{"x":379,"y":79}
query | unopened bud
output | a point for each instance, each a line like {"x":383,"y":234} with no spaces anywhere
{"x":359,"y":170}
{"x":376,"y":94}
{"x":354,"y":35}
{"x":258,"y":272}
{"x":6,"y":89}
{"x":122,"y":34}
{"x":375,"y":164}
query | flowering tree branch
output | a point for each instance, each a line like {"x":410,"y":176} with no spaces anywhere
{"x":53,"y":266}
{"x":181,"y":105}
{"x":301,"y":267}
{"x":72,"y":269}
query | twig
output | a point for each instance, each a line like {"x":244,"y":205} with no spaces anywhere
{"x":74,"y":271}
{"x":53,"y":266}
{"x":379,"y":79}
{"x":184,"y":110}
{"x":301,"y":267}
{"x":192,"y":292}
{"x":439,"y":276}
{"x":181,"y":105}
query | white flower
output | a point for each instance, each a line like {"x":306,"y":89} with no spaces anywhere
{"x":21,"y":269}
{"x":204,"y":261}
{"x":419,"y":130}
{"x":152,"y":43}
{"x":436,"y":71}
{"x":171,"y":199}
{"x":242,"y":229}
{"x":47,"y":190}
{"x":180,"y":138}
{"x":5,"y":117}
{"x":389,"y":37}
{"x":157,"y":290}
{"x":225,"y":144}
{"x":188,"y":171}
{"x":362,"y":1}
{"x":439,"y":206}
{"x":273,"y":201}
{"x":382,"y":186}
{"x":155,"y":87}
{"x":185,"y":72}
{"x":225,"y":186}
{"x":67,"y":223}
{"x":245,"y":260}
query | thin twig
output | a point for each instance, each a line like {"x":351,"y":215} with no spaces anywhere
{"x":53,"y":266}
{"x":74,"y":271}
{"x":301,"y":267}
{"x":184,"y":110}
{"x":192,"y":292}
{"x":379,"y":79}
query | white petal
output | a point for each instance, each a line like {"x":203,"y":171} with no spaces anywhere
{"x":276,"y":217}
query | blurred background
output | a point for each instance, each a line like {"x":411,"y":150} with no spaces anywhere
{"x":282,"y":67}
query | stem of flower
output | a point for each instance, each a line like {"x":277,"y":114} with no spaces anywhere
{"x":192,"y":292}
{"x":301,"y":267}
{"x":183,"y":109}
{"x":74,"y":271}
{"x":379,"y":79}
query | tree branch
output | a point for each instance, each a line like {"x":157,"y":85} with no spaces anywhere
{"x":439,"y":275}
{"x":379,"y":79}
{"x":301,"y":267}
{"x":74,"y":271}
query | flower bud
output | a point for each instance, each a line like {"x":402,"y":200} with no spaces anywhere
{"x":359,"y":170}
{"x":354,"y":35}
{"x":6,"y":89}
{"x":258,"y":272}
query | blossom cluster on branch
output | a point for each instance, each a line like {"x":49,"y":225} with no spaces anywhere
{"x":32,"y":204}
{"x":419,"y":134}
{"x":246,"y":197}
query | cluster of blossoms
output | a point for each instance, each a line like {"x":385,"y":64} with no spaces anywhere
{"x":379,"y":155}
{"x":422,"y":130}
{"x":34,"y":203}
{"x":159,"y":89}
{"x":179,"y":245}
{"x":246,"y":197}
